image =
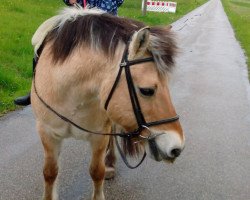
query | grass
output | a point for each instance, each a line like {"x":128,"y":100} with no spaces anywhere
{"x":18,"y":21}
{"x":238,"y":12}
{"x":20,"y":18}
{"x":132,"y":9}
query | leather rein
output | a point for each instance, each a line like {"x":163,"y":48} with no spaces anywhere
{"x":142,"y":124}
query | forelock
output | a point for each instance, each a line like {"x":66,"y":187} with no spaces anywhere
{"x":163,"y":48}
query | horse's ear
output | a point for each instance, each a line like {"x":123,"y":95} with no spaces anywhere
{"x":139,"y":43}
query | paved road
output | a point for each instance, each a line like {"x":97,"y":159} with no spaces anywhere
{"x":211,"y":93}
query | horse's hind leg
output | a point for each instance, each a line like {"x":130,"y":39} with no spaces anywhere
{"x":97,"y":166}
{"x":110,"y":160}
{"x":50,"y":169}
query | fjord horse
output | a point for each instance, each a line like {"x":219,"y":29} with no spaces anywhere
{"x":95,"y":70}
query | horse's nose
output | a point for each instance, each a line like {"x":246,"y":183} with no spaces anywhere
{"x":175,"y":152}
{"x":170,"y":145}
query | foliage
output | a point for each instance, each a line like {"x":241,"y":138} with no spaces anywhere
{"x":238,"y":12}
{"x":132,"y":9}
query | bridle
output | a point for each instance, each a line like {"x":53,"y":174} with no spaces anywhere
{"x":141,"y":122}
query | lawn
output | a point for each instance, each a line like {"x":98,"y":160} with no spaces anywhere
{"x":20,"y":18}
{"x":238,"y":12}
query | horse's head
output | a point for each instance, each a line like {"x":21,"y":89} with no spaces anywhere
{"x":164,"y":139}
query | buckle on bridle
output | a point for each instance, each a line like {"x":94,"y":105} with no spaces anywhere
{"x":148,"y":137}
{"x":123,"y":64}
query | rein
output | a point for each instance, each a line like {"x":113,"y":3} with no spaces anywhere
{"x":142,"y":124}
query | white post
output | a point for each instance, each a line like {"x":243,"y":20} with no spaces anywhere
{"x":144,"y":7}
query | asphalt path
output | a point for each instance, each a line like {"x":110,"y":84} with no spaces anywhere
{"x":211,"y":93}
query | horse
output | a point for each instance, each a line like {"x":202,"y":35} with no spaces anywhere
{"x":93,"y":72}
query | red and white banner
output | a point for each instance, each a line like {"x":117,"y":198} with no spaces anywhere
{"x":161,"y":6}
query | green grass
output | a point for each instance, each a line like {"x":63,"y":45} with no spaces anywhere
{"x":238,"y":12}
{"x":20,"y":18}
{"x":18,"y":21}
{"x":132,"y":9}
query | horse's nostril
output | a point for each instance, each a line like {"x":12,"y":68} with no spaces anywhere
{"x":176,"y":152}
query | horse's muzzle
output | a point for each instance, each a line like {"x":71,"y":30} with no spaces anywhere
{"x":165,"y":147}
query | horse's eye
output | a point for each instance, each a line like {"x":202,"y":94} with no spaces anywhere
{"x":147,"y":91}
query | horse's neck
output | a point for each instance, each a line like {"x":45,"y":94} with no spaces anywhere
{"x":77,"y":86}
{"x":81,"y":86}
{"x":73,"y":87}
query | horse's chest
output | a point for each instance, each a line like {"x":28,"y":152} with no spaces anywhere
{"x":89,"y":118}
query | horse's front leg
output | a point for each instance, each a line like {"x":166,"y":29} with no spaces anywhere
{"x":110,"y":160}
{"x":50,"y":169}
{"x":97,"y":166}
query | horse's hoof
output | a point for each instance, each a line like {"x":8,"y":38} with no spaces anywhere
{"x":109,"y":173}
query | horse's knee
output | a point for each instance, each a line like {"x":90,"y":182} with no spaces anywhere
{"x":97,"y":172}
{"x":50,"y":172}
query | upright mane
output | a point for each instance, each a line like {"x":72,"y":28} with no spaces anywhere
{"x":100,"y":31}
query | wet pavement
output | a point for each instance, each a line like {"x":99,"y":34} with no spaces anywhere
{"x":211,"y":93}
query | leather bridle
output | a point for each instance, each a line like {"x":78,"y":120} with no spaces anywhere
{"x":141,"y":122}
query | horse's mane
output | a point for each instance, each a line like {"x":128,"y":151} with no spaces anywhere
{"x":100,"y":31}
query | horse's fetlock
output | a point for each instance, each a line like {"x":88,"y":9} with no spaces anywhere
{"x":109,"y":173}
{"x":99,"y":196}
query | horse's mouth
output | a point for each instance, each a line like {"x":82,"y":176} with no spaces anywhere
{"x":169,"y":160}
{"x":159,"y":155}
{"x":166,"y":158}
{"x":163,"y":157}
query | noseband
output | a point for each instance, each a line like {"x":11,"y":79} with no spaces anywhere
{"x":141,"y":122}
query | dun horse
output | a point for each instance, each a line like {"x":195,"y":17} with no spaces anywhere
{"x":94,"y":71}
